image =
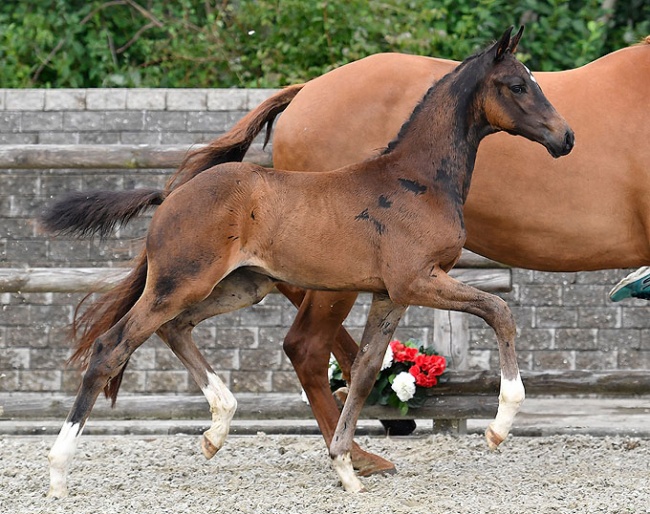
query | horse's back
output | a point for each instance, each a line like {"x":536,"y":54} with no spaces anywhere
{"x":352,"y":112}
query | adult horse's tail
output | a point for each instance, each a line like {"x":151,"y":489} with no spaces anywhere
{"x":98,"y":212}
{"x":234,"y":144}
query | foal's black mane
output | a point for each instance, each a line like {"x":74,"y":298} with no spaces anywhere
{"x":434,"y":87}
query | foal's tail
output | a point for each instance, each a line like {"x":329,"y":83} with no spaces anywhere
{"x":97,"y":212}
{"x":102,"y":314}
{"x":85,"y":214}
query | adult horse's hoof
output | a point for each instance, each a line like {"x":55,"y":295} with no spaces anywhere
{"x":493,"y":439}
{"x":367,"y":464}
{"x":209,"y":450}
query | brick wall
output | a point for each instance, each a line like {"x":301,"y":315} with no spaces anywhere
{"x":565,"y":319}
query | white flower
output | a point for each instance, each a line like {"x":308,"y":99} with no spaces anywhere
{"x":332,"y":367}
{"x":388,"y":359}
{"x":404,"y":386}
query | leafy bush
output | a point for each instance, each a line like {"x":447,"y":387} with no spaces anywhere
{"x":269,"y":43}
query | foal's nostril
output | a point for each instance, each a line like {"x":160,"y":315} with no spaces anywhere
{"x":569,"y":140}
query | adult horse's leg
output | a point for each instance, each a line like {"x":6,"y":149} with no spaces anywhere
{"x":240,"y":289}
{"x":440,"y":291}
{"x":382,"y":321}
{"x":308,"y":345}
{"x":334,"y":307}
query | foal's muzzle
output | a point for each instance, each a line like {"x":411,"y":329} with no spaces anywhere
{"x":564,"y":147}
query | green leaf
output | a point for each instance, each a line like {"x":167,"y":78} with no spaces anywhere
{"x":203,"y":44}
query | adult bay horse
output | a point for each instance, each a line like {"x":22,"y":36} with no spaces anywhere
{"x":343,"y":230}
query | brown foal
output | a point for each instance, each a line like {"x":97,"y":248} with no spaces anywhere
{"x":232,"y":232}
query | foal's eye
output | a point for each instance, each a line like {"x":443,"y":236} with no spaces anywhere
{"x":518,"y":89}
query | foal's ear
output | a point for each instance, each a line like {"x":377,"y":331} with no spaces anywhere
{"x":515,"y":40}
{"x":503,"y":44}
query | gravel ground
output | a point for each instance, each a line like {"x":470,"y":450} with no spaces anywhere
{"x":290,"y":473}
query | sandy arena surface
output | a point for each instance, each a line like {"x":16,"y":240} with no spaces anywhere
{"x":292,"y":474}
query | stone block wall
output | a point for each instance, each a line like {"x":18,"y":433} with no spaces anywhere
{"x":565,"y":320}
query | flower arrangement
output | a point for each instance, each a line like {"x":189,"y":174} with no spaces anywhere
{"x":407,"y":370}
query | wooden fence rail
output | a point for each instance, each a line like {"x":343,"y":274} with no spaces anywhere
{"x":465,"y":394}
{"x":80,"y":280}
{"x":106,"y":156}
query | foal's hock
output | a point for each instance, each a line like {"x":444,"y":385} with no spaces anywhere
{"x":392,"y":225}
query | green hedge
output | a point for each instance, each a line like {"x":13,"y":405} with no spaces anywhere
{"x":270,"y":43}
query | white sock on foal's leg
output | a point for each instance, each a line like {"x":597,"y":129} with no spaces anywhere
{"x":60,"y":458}
{"x":223,"y":406}
{"x":512,"y":394}
{"x":342,"y":464}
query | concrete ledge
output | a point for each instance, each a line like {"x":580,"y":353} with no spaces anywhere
{"x":265,"y":406}
{"x":601,"y":417}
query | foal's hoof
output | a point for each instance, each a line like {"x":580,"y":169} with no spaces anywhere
{"x":57,"y":493}
{"x":493,"y":439}
{"x":209,"y":450}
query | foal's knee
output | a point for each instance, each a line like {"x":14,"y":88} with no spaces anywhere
{"x":501,"y":316}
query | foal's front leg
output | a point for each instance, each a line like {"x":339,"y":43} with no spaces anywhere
{"x":440,"y":291}
{"x":382,"y":321}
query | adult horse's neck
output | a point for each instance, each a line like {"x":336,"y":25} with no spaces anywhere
{"x":440,"y":140}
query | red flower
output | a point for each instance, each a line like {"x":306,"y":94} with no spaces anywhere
{"x":403,"y":353}
{"x":427,"y":368}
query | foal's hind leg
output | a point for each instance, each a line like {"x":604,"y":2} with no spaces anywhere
{"x":315,"y":333}
{"x":110,"y":353}
{"x":440,"y":291}
{"x":238,"y":290}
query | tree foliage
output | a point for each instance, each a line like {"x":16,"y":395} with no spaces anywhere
{"x":270,"y":43}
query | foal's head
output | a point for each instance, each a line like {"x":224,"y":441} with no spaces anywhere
{"x":514,"y":102}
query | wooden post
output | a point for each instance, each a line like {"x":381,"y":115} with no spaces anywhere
{"x":451,"y":339}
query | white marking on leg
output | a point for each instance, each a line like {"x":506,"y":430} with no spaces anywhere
{"x":512,"y":394}
{"x":342,"y":464}
{"x":223,"y":406}
{"x":60,"y":458}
